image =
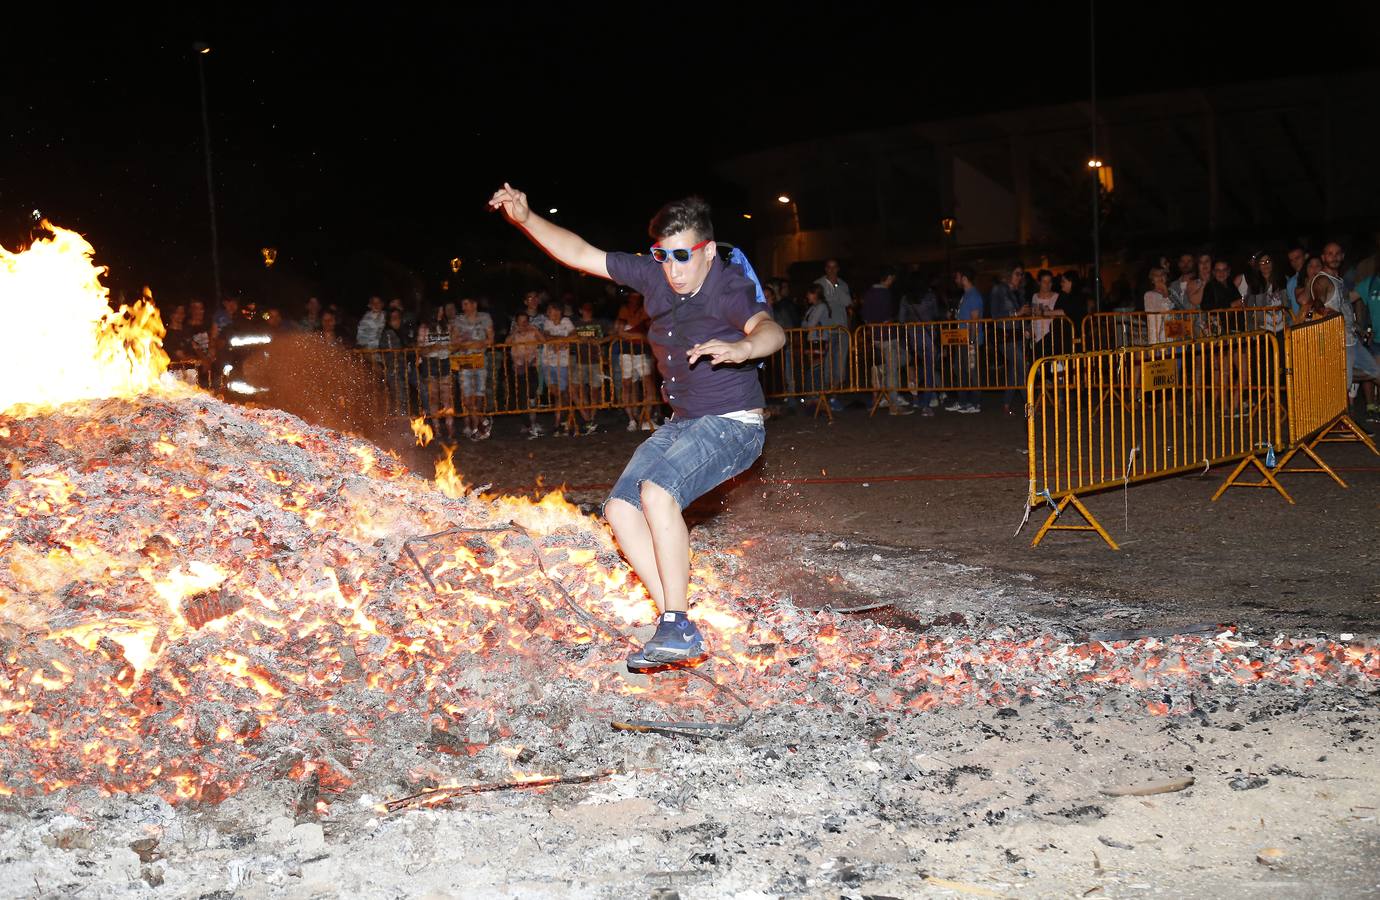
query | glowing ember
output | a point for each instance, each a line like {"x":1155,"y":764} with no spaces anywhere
{"x":62,"y":341}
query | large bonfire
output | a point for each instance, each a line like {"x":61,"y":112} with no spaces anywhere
{"x":196,"y":594}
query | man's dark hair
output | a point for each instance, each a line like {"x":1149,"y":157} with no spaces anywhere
{"x":967,"y":272}
{"x":885,"y":272}
{"x":690,"y":214}
{"x":1042,"y":273}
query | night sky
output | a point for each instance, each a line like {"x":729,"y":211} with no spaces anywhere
{"x":358,"y":143}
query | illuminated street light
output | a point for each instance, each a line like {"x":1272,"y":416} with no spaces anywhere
{"x":552,"y":211}
{"x":947,"y":224}
{"x":783,"y":199}
{"x":1094,"y":163}
{"x":747,"y":215}
{"x":201,"y":47}
{"x":270,"y":256}
{"x":456,"y":263}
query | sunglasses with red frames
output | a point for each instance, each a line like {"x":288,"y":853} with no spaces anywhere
{"x":680,"y":254}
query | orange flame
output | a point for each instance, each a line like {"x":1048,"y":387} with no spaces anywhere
{"x":84,"y":350}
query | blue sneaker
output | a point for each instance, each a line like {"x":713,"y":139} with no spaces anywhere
{"x":677,"y":641}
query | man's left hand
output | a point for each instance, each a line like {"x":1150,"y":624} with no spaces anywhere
{"x":720,"y":351}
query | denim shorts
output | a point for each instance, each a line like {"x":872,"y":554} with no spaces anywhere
{"x":689,"y":458}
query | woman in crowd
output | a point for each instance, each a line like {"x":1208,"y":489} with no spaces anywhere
{"x":433,"y":347}
{"x":1047,"y":303}
{"x":1309,"y":308}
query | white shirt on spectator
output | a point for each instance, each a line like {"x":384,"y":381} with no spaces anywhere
{"x":1156,"y":304}
{"x":559,"y":354}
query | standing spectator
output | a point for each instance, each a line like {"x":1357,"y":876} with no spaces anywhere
{"x":330,"y":332}
{"x":532,"y":307}
{"x":1045,"y":304}
{"x":789,"y":308}
{"x":370,"y":325}
{"x":1157,"y":303}
{"x":1008,"y":302}
{"x":784,"y":316}
{"x":555,"y":363}
{"x":1366,"y":296}
{"x":969,"y":311}
{"x":587,"y":369}
{"x":311,"y":318}
{"x":1328,"y":288}
{"x":438,"y":395}
{"x":472,"y":333}
{"x":1075,"y":300}
{"x":409,"y":321}
{"x":525,"y":340}
{"x":817,"y":349}
{"x":1180,"y":287}
{"x":879,"y":310}
{"x":177,"y":341}
{"x":396,"y":370}
{"x":1265,"y":292}
{"x":1307,"y":307}
{"x":200,"y":333}
{"x":1220,"y":293}
{"x":837,"y":299}
{"x":635,"y":363}
{"x":921,"y":307}
{"x":228,"y":312}
{"x":1298,"y":258}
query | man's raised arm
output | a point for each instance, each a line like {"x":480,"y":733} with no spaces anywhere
{"x":565,"y":246}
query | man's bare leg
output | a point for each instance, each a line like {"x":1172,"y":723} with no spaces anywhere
{"x":635,"y":540}
{"x":671,"y":543}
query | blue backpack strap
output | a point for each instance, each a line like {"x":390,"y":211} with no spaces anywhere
{"x":738,"y":258}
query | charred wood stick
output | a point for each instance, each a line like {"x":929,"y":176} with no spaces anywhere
{"x":1149,"y":790}
{"x":446,"y":793}
{"x":1136,"y":634}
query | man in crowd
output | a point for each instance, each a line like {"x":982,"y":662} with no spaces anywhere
{"x":969,"y":311}
{"x":838,"y":300}
{"x":1008,"y":302}
{"x":879,"y":310}
{"x":706,"y":330}
{"x":1327,"y":287}
{"x":370,"y":325}
{"x":587,"y":369}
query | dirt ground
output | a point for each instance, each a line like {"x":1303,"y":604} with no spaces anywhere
{"x":957,"y":484}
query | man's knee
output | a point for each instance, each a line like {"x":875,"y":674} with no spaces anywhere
{"x":656,"y":499}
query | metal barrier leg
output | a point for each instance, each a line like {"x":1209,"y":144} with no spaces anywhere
{"x":1308,"y":450}
{"x":822,"y":405}
{"x":1093,"y":524}
{"x":1351,"y":433}
{"x":1267,"y":481}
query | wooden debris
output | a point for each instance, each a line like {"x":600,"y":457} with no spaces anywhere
{"x":1147,"y":790}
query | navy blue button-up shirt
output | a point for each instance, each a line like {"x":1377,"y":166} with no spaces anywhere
{"x":719,"y":310}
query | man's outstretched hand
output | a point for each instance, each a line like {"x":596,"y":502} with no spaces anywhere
{"x":720,"y":352}
{"x":513,"y":202}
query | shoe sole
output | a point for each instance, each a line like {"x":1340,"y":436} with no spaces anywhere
{"x":682,"y":663}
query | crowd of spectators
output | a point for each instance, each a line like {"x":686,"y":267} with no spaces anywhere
{"x":568,"y":354}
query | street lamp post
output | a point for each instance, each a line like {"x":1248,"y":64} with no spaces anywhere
{"x":947,"y":225}
{"x":201,"y":49}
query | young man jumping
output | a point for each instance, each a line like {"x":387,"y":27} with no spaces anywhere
{"x":706,"y":327}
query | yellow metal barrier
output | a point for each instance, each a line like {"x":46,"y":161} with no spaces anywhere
{"x":977,"y":355}
{"x":1113,"y":330}
{"x":569,"y":379}
{"x":1098,"y":420}
{"x":1316,"y":382}
{"x":814,"y":363}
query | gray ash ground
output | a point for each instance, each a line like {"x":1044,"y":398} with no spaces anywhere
{"x":832,"y":797}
